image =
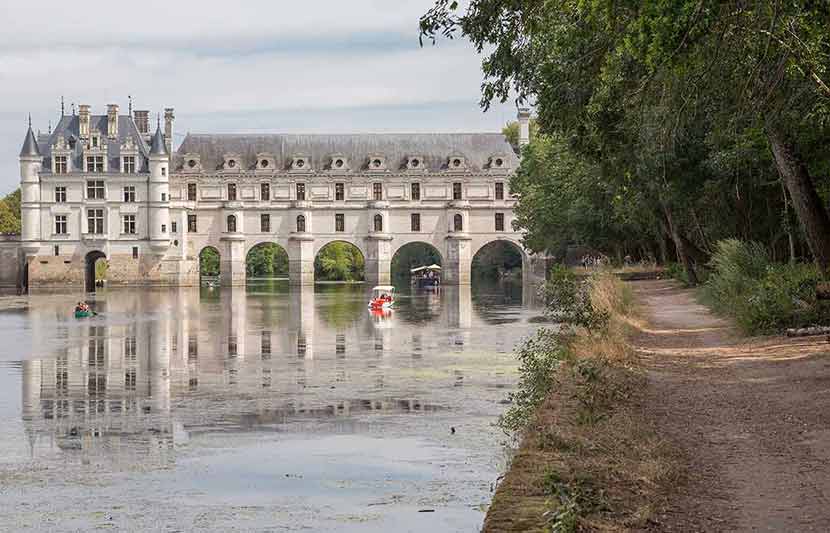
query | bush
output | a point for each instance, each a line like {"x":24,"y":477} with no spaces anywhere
{"x":762,"y":296}
{"x":569,"y":303}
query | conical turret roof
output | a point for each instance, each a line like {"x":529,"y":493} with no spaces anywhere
{"x":158,"y":146}
{"x":30,"y":147}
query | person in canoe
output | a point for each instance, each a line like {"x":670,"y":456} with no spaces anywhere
{"x":82,"y":310}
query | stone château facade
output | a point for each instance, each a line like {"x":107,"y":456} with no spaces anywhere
{"x":104,"y":186}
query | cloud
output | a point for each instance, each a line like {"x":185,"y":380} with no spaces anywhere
{"x":250,"y":65}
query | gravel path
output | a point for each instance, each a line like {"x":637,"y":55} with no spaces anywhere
{"x":751,"y":418}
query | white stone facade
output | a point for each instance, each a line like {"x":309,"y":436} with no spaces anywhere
{"x":103,"y":186}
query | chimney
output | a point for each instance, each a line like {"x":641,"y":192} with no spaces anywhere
{"x":168,"y":128}
{"x":524,"y":126}
{"x":83,"y":121}
{"x":142,"y":122}
{"x":112,"y":121}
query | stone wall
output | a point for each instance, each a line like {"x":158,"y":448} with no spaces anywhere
{"x":10,"y":262}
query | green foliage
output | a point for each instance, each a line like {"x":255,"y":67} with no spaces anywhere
{"x":209,"y":262}
{"x":339,"y":261}
{"x":568,"y":301}
{"x":413,"y":255}
{"x":762,"y":296}
{"x":10,"y":213}
{"x":511,"y":132}
{"x":538,"y":358}
{"x":101,"y":268}
{"x":267,"y":260}
{"x":496,"y":259}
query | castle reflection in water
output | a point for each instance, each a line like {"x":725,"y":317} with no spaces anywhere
{"x":156,"y":366}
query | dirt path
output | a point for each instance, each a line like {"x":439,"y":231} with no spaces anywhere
{"x":750,"y":416}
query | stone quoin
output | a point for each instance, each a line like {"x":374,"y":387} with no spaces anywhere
{"x":106,"y":186}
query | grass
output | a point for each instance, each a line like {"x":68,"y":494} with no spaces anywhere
{"x":587,"y":458}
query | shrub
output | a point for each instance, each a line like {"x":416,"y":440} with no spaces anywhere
{"x":762,"y":296}
{"x":569,"y":303}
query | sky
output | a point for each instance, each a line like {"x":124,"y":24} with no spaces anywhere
{"x":316,"y":66}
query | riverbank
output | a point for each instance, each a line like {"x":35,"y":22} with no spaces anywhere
{"x":589,"y":458}
{"x":707,"y":431}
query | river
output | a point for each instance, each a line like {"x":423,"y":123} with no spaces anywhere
{"x":264,"y":408}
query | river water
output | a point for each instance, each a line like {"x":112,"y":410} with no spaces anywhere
{"x":261,"y":409}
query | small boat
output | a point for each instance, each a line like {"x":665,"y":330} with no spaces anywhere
{"x":82,"y":314}
{"x":383,"y":297}
{"x":425,"y":276}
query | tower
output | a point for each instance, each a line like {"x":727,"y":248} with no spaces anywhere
{"x":30,"y":163}
{"x":159,"y":196}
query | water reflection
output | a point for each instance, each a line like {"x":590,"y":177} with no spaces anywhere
{"x":156,"y":367}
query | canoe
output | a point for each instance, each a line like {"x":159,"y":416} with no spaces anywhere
{"x":83,"y":314}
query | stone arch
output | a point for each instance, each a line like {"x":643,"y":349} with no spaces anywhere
{"x":210,"y":260}
{"x":256,"y":271}
{"x":90,"y":260}
{"x":400,"y":264}
{"x":348,"y":266}
{"x":508,"y":242}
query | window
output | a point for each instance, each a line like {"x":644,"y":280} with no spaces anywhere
{"x":415,"y":190}
{"x":265,"y":223}
{"x":415,"y":222}
{"x":191,"y":192}
{"x":95,"y":221}
{"x":129,"y":164}
{"x":499,"y":191}
{"x":377,"y":191}
{"x":174,"y":227}
{"x":95,"y":190}
{"x":129,"y":224}
{"x":135,"y":252}
{"x":95,"y":141}
{"x":339,"y":222}
{"x":231,"y":224}
{"x":300,"y":224}
{"x":266,"y":343}
{"x":191,"y":223}
{"x":129,"y":193}
{"x":499,"y":221}
{"x":232,"y":345}
{"x":60,"y":225}
{"x":60,"y":164}
{"x":378,"y":223}
{"x":458,"y":223}
{"x":265,"y":191}
{"x":456,"y":191}
{"x":164,"y":197}
{"x":301,"y":191}
{"x":163,"y":171}
{"x":60,"y":195}
{"x":231,"y":192}
{"x":339,"y":192}
{"x":57,"y":250}
{"x":95,"y":163}
{"x":164,"y":228}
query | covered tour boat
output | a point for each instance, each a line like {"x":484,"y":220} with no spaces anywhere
{"x":425,"y":276}
{"x":383,"y":297}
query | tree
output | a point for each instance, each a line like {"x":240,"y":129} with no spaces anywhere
{"x":339,"y":261}
{"x":209,"y":262}
{"x":10,"y":213}
{"x":511,"y":132}
{"x":643,"y":89}
{"x":267,"y":260}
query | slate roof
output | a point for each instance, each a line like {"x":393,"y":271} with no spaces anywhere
{"x":69,"y":128}
{"x":158,"y":147}
{"x":434,"y":148}
{"x":30,"y":147}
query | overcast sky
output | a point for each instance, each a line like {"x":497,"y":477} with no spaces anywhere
{"x":245,"y":66}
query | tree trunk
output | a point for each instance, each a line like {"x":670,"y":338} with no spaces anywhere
{"x":682,"y":254}
{"x":805,"y":200}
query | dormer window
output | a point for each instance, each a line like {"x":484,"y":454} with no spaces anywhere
{"x":192,"y":163}
{"x":129,"y":164}
{"x":300,"y":162}
{"x":377,"y":162}
{"x":95,"y":141}
{"x":61,"y":159}
{"x":415,"y":162}
{"x":265,"y":161}
{"x":339,"y":163}
{"x":232,"y":163}
{"x":456,"y":162}
{"x":498,"y":162}
{"x":60,"y":164}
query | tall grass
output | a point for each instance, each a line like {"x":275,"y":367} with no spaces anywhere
{"x":760,"y":295}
